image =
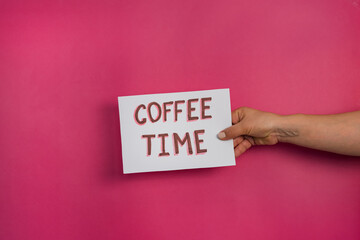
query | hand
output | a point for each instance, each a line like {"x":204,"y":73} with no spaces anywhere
{"x":251,"y":127}
{"x":337,"y":133}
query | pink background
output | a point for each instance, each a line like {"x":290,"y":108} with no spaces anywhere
{"x":63,"y":64}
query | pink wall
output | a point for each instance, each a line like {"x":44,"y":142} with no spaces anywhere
{"x":63,"y":64}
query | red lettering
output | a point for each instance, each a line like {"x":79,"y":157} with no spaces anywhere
{"x":149,"y":137}
{"x":191,"y":109}
{"x":176,"y":110}
{"x":204,"y":107}
{"x":178,"y":140}
{"x":166,"y":110}
{"x":150,"y":113}
{"x":163,"y":153}
{"x":136,"y":115}
{"x":198,"y":141}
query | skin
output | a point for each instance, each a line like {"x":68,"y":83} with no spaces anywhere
{"x":337,"y":133}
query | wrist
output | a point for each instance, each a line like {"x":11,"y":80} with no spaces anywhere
{"x":285,"y":128}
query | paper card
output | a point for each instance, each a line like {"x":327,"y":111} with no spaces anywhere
{"x":173,"y":131}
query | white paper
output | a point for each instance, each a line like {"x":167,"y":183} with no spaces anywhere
{"x":210,"y":151}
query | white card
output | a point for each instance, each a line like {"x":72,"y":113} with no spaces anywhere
{"x":173,"y":131}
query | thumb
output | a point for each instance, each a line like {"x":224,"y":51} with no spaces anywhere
{"x":232,"y":132}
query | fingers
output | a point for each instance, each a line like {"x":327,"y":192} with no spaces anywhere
{"x":250,"y":139}
{"x":242,"y":147}
{"x":238,"y":140}
{"x":238,"y":114}
{"x":231,"y":132}
{"x":236,"y":130}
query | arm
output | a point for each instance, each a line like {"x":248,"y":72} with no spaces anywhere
{"x":338,"y":133}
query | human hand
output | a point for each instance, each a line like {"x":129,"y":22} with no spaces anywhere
{"x":337,"y":133}
{"x":251,"y":127}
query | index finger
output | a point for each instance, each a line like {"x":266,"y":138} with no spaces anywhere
{"x":237,"y":115}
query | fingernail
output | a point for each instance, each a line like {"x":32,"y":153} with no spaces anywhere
{"x":221,"y":135}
